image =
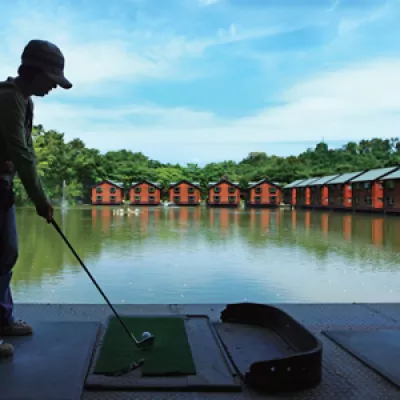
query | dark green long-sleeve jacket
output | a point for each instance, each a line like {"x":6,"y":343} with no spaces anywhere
{"x":17,"y":154}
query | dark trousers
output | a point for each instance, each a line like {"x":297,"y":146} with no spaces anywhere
{"x":8,"y":251}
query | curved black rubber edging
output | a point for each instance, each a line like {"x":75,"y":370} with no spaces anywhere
{"x":295,"y":372}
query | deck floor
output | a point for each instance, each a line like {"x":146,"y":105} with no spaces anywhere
{"x":344,"y":377}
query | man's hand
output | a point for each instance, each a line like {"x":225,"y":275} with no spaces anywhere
{"x":45,"y":211}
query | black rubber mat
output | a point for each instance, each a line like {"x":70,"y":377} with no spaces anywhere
{"x":378,"y":349}
{"x":50,"y":364}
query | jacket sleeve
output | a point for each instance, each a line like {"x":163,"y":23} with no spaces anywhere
{"x":21,"y":152}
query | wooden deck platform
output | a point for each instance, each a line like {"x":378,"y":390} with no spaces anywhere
{"x":344,"y":376}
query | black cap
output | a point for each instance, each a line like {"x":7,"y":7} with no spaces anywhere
{"x":47,"y":57}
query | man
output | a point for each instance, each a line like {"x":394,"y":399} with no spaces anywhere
{"x":41,"y":70}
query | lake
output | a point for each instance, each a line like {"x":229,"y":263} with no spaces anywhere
{"x":200,"y":255}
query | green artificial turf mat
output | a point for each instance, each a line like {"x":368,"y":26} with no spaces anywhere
{"x":170,"y":355}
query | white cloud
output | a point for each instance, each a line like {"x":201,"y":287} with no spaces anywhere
{"x":354,"y":103}
{"x":115,"y":53}
{"x":119,"y":56}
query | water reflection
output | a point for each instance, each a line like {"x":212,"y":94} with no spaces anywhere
{"x":184,"y":254}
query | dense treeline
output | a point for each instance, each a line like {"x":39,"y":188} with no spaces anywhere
{"x":81,"y":167}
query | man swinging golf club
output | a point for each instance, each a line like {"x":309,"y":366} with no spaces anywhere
{"x":41,"y":70}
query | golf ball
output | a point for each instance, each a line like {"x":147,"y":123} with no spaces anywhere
{"x":146,"y":335}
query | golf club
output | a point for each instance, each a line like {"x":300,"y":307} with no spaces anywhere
{"x":147,"y":339}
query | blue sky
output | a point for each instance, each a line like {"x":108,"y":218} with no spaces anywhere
{"x":207,"y":80}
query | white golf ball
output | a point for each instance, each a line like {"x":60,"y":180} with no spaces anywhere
{"x":146,"y":335}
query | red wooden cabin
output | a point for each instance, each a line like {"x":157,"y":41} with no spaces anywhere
{"x":303,"y":193}
{"x":264,"y":193}
{"x":145,"y":193}
{"x":223,"y":193}
{"x":319,"y":192}
{"x":108,"y":192}
{"x":289,"y":192}
{"x":340,"y":193}
{"x":391,"y":190}
{"x":368,"y":189}
{"x":184,"y":193}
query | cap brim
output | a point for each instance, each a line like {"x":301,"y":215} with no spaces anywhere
{"x":61,"y":81}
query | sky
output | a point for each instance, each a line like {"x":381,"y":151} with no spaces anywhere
{"x":198,"y":81}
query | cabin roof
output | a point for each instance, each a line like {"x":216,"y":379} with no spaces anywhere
{"x":293,"y":184}
{"x":253,"y":184}
{"x":323,"y":180}
{"x":345,"y":177}
{"x":392,"y":175}
{"x":307,"y":182}
{"x":117,"y":184}
{"x":156,"y":184}
{"x":211,"y":184}
{"x":373,"y":174}
{"x":196,"y":184}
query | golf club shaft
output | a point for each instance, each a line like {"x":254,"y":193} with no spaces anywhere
{"x":93,"y":280}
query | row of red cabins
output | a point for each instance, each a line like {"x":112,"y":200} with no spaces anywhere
{"x":368,"y":190}
{"x":184,"y":193}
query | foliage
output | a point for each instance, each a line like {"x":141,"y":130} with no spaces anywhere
{"x":82,"y":167}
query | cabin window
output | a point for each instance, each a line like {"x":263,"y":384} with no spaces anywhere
{"x":99,"y":190}
{"x":258,"y":190}
{"x":177,"y":198}
{"x":390,"y":200}
{"x":380,"y":199}
{"x":389,"y":185}
{"x":113,"y":190}
{"x":367,"y":185}
{"x":112,"y":199}
{"x":232,"y":190}
{"x":232,"y":199}
{"x":217,"y":189}
{"x":257,"y":198}
{"x":192,"y":199}
{"x":99,"y":198}
{"x":190,"y":190}
{"x":217,"y":199}
{"x":368,"y":200}
{"x":272,"y":199}
{"x":177,"y":190}
{"x":357,"y":200}
{"x":272,"y":189}
{"x":349,"y":186}
{"x":138,"y":189}
{"x":349,"y":200}
{"x":151,"y":198}
{"x":137,"y":198}
{"x":151,"y":189}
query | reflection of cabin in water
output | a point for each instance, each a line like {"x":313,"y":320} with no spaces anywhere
{"x":145,"y":193}
{"x":223,"y":193}
{"x":264,"y":193}
{"x":184,"y":193}
{"x":367,"y":189}
{"x":108,"y":192}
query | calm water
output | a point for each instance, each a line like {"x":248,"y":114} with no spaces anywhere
{"x":182,"y":255}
